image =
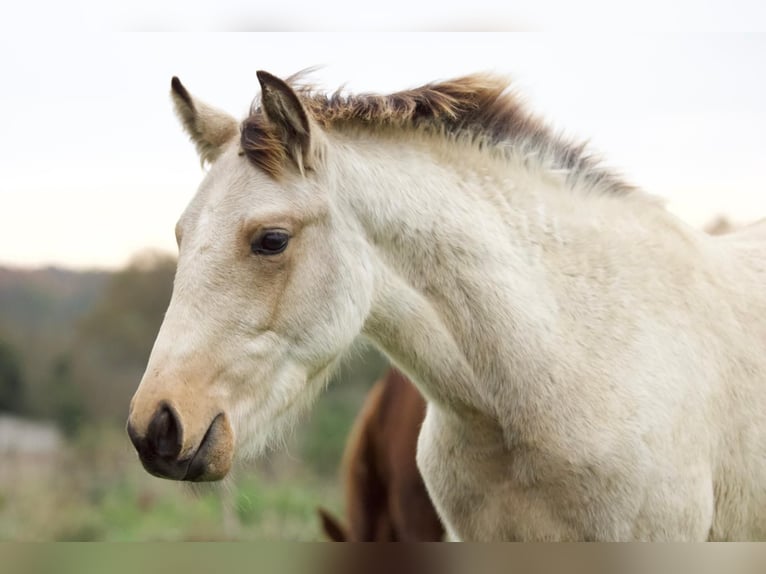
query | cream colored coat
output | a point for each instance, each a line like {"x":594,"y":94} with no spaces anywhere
{"x":595,"y":368}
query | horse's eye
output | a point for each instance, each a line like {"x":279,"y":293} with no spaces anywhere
{"x":270,"y":242}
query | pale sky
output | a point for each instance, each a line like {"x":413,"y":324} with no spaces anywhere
{"x":94,"y":166}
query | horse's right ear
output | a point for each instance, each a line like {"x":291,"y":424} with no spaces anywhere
{"x":209,"y":128}
{"x":332,"y":528}
{"x":283,"y":108}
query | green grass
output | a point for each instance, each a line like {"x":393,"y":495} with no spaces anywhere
{"x":97,"y":490}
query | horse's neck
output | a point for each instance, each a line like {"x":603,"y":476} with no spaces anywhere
{"x":471,"y":252}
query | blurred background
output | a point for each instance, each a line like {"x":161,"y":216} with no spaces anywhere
{"x":94,"y":172}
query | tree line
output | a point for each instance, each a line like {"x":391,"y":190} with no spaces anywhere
{"x":73,"y":345}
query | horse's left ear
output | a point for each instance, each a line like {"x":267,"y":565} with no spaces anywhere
{"x":208,"y":127}
{"x":285,"y":111}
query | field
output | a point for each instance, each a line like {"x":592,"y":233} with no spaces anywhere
{"x":95,"y":489}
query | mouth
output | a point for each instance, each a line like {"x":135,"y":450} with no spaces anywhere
{"x":204,"y":466}
{"x":160,"y":448}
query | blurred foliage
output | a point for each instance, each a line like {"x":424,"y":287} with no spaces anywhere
{"x":39,"y":311}
{"x":95,"y":489}
{"x":46,"y":299}
{"x":123,"y":323}
{"x":115,"y":336}
{"x":11,"y":383}
{"x":84,"y":337}
{"x":63,"y":399}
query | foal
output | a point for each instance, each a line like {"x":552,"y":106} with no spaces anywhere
{"x":594,"y":367}
{"x":386,"y":500}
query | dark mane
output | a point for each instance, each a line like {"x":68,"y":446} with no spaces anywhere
{"x":477,"y":104}
{"x":480,"y":107}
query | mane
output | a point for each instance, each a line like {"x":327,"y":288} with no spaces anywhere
{"x":480,"y":108}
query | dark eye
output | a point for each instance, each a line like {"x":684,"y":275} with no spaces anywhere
{"x":270,"y":242}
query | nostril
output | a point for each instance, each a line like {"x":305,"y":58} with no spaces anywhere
{"x":164,"y":433}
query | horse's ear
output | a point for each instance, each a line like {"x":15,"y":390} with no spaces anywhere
{"x":285,"y":111}
{"x":332,"y":528}
{"x":208,"y":127}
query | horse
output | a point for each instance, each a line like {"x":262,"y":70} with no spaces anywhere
{"x":594,"y":367}
{"x":386,"y":500}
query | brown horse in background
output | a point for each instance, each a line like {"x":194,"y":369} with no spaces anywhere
{"x":386,"y":500}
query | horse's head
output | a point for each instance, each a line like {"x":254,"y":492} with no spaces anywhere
{"x":271,"y":287}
